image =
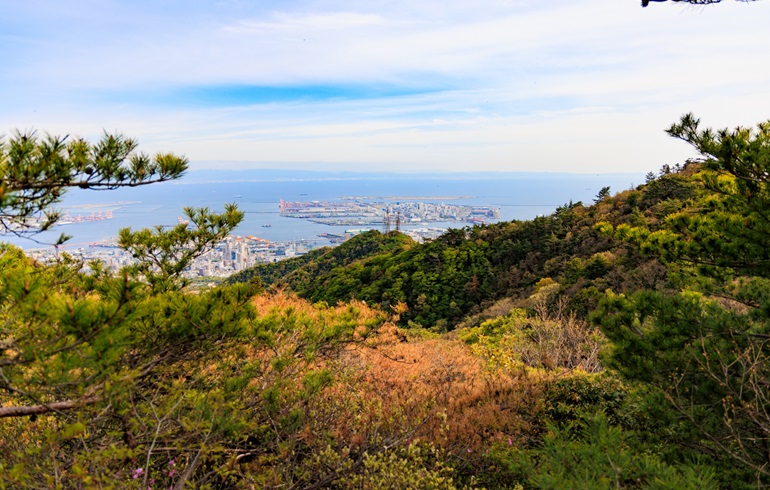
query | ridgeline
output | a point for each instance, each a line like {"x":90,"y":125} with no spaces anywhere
{"x":456,"y":277}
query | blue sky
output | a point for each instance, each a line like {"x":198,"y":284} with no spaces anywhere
{"x":520,"y":85}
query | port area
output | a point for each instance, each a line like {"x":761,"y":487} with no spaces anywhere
{"x":363,"y":213}
{"x":420,"y":234}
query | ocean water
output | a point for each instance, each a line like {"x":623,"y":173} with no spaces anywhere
{"x":519,"y":197}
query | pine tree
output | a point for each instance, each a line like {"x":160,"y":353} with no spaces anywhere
{"x":37,"y":172}
{"x":128,"y":380}
{"x":706,"y":347}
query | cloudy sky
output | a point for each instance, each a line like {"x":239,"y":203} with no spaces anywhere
{"x":513,"y":85}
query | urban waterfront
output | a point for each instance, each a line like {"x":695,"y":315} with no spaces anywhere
{"x":266,"y":235}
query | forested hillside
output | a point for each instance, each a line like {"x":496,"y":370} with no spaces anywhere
{"x":617,"y":344}
{"x":464,"y":271}
{"x":319,"y":262}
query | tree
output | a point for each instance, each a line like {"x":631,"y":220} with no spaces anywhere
{"x":706,"y":347}
{"x":649,"y":177}
{"x":127,"y":380}
{"x":36,"y":172}
{"x":57,"y":323}
{"x":603,"y":194}
{"x":81,"y":349}
{"x":162,"y":255}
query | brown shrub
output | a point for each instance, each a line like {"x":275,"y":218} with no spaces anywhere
{"x":435,"y":390}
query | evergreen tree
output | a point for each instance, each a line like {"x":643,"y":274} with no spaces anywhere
{"x":36,"y":172}
{"x":603,"y":194}
{"x":706,"y":347}
{"x":127,"y":380}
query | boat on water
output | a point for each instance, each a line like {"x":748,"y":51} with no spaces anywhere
{"x":267,"y":225}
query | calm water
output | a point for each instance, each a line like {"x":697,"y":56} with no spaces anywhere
{"x":519,"y":196}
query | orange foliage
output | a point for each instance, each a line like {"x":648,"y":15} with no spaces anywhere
{"x":281,"y":300}
{"x":433,"y":390}
{"x":385,"y":390}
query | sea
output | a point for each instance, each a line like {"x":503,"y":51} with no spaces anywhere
{"x":520,"y":196}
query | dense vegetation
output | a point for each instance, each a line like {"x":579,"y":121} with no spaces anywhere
{"x":621,"y":344}
{"x":467,"y":270}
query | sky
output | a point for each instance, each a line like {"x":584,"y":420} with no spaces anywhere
{"x":585,"y":86}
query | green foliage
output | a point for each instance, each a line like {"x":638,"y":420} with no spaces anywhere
{"x":596,"y":432}
{"x":552,"y":341}
{"x":709,"y":360}
{"x":597,"y":455}
{"x":132,"y":381}
{"x":444,"y":281}
{"x":122,"y":379}
{"x":603,"y":194}
{"x":101,"y":352}
{"x":162,"y":255}
{"x":705,"y":347}
{"x":303,"y":273}
{"x":667,"y":194}
{"x":417,"y":466}
{"x":568,"y":400}
{"x":730,"y":227}
{"x":37,"y":172}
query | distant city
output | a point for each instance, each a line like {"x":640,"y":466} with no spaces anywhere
{"x":236,"y":253}
{"x":292,"y":215}
{"x":355,"y":211}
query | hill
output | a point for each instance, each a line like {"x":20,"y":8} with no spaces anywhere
{"x":465,"y":271}
{"x":622,"y":344}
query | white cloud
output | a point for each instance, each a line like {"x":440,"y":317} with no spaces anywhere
{"x":494,"y":84}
